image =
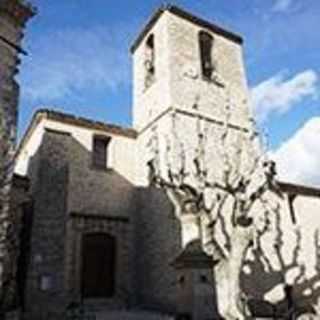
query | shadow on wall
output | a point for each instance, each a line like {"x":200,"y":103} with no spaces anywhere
{"x":158,"y":243}
{"x":63,"y":181}
{"x":269,"y":271}
{"x":43,"y":247}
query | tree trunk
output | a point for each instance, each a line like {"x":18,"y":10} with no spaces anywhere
{"x":232,"y":306}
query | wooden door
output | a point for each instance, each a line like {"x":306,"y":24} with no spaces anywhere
{"x":98,"y":265}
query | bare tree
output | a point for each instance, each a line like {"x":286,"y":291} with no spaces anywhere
{"x":243,"y":178}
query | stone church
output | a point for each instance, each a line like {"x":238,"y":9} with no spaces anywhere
{"x":94,"y":232}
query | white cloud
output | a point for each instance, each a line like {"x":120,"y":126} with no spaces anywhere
{"x":282,"y":5}
{"x":67,"y":62}
{"x":279,"y":95}
{"x":298,"y":158}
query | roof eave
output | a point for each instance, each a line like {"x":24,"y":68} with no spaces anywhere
{"x":298,"y":189}
{"x":187,"y":16}
{"x":43,"y":114}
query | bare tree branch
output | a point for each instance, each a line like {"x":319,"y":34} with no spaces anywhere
{"x":210,"y":190}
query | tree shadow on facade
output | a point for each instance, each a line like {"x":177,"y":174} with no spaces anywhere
{"x":260,"y":276}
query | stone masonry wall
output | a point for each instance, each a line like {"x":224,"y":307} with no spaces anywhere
{"x":9,"y":88}
{"x":178,"y":80}
{"x":13,"y":16}
{"x":100,"y":200}
{"x":71,"y":199}
{"x":178,"y":108}
{"x":45,"y":288}
{"x":148,"y":103}
{"x":157,"y":244}
{"x":185,"y":72}
{"x":121,"y":230}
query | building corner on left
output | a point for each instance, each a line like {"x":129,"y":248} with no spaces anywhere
{"x":14,"y":15}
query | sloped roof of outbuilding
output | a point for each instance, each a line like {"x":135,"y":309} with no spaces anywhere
{"x":193,"y":257}
{"x":297,"y":189}
{"x":73,"y":120}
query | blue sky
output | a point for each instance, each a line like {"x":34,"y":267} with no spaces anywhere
{"x":79,"y":62}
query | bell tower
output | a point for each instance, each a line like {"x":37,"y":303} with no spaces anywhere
{"x":179,"y":60}
{"x":189,"y":67}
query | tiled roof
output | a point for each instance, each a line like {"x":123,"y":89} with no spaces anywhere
{"x":74,"y":121}
{"x":194,"y":257}
{"x":297,"y":189}
{"x":87,"y":123}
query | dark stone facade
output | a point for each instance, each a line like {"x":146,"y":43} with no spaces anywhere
{"x":13,"y":16}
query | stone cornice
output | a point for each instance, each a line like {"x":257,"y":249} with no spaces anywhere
{"x":192,"y":114}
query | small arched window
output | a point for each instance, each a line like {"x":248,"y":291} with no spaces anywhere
{"x":149,"y":61}
{"x":206,"y":45}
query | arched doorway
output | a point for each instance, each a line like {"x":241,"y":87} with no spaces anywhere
{"x":98,"y":265}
